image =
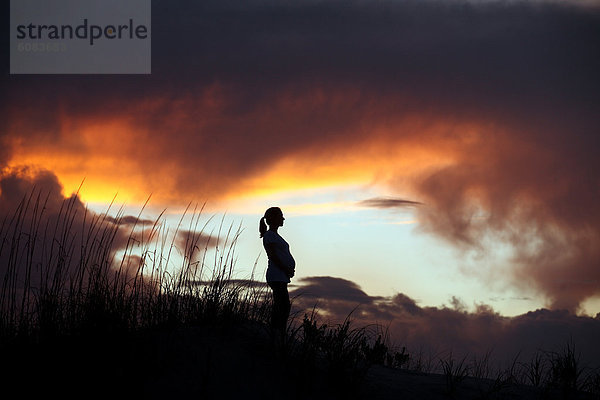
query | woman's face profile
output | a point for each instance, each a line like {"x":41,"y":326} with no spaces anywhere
{"x":280,"y":219}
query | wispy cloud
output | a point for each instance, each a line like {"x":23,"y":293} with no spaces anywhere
{"x":388,"y":202}
{"x":129,"y":220}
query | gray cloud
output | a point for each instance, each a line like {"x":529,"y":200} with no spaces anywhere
{"x":192,"y":244}
{"x":441,"y":330}
{"x":129,"y":220}
{"x":331,"y":288}
{"x":386,"y":202}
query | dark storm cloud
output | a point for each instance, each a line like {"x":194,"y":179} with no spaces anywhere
{"x":440,"y":330}
{"x":500,"y":61}
{"x":541,"y":204}
{"x":239,"y":85}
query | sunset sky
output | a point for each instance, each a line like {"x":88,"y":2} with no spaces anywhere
{"x":442,"y":150}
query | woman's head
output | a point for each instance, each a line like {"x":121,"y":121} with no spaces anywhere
{"x":273,"y":217}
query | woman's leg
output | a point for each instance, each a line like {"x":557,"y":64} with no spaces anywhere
{"x":281,"y":306}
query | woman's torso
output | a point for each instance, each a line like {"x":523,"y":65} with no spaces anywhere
{"x":282,"y":251}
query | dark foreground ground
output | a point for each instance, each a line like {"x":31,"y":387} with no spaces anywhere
{"x":221,"y":363}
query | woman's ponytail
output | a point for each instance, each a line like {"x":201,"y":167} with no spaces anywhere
{"x":262,"y":227}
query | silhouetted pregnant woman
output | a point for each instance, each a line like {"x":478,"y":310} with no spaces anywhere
{"x":280,"y":269}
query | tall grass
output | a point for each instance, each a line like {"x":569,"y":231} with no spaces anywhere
{"x":81,"y":287}
{"x":72,"y":273}
{"x":553,"y":374}
{"x":75,"y":271}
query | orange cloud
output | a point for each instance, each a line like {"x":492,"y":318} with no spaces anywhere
{"x":190,"y":154}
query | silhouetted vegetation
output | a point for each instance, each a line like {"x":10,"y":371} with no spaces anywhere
{"x":79,"y":313}
{"x":75,"y":307}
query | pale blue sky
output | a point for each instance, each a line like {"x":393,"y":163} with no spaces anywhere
{"x":381,"y":250}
